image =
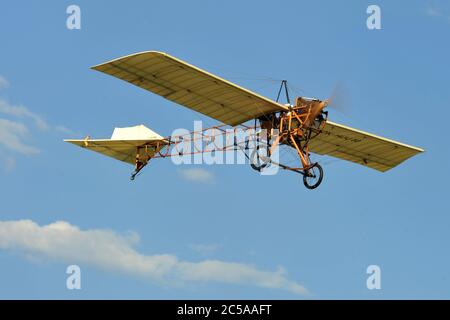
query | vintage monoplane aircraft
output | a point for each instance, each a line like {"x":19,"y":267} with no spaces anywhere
{"x":303,"y":126}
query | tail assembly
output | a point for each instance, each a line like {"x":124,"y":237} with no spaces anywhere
{"x":135,"y":145}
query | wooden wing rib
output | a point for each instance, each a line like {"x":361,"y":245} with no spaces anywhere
{"x":361,"y":147}
{"x":190,"y":86}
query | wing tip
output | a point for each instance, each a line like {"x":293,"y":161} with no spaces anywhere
{"x":419,"y":150}
{"x":97,"y":67}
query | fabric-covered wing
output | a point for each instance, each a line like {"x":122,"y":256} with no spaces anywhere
{"x":361,"y":147}
{"x":123,"y":150}
{"x":190,"y":86}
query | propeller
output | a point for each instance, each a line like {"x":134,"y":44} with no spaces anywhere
{"x":339,"y":99}
{"x":316,"y":109}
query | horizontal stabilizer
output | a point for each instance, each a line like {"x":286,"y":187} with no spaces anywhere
{"x":126,"y":144}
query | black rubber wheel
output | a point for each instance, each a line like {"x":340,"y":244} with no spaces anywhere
{"x":257,"y":162}
{"x":313,"y":177}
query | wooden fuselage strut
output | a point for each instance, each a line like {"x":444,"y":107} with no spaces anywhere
{"x":293,"y":128}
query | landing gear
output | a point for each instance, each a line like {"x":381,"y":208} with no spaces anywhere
{"x":258,"y":161}
{"x":313,"y":176}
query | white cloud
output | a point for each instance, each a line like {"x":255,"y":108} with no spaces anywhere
{"x":11,"y":137}
{"x":3,"y":82}
{"x":22,"y":112}
{"x":107,"y":250}
{"x":8,"y":162}
{"x":197,"y":175}
{"x":64,"y":130}
{"x":433,"y":12}
{"x":13,"y":133}
{"x":436,"y":12}
{"x":205,"y":249}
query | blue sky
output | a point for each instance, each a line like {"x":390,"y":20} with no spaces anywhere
{"x":274,"y":238}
